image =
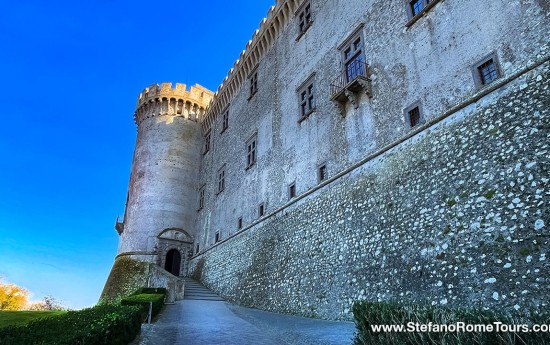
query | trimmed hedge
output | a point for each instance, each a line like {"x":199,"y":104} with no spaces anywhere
{"x":143,"y":300}
{"x":377,"y":313}
{"x":101,"y":325}
{"x":151,"y":290}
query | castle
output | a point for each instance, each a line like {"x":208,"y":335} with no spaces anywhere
{"x":381,"y":150}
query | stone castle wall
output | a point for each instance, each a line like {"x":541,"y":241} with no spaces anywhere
{"x":458,"y":215}
{"x":429,"y":62}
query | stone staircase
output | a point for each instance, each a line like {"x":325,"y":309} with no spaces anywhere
{"x":195,"y":290}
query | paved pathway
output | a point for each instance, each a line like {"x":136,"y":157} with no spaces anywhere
{"x":207,"y":322}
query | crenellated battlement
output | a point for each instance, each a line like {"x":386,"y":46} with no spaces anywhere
{"x":196,"y":94}
{"x":164,"y":99}
{"x":262,"y":39}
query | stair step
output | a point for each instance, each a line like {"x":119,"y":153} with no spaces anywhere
{"x":197,"y":291}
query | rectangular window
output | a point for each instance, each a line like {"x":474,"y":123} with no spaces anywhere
{"x":251,"y":147}
{"x":197,"y":249}
{"x":416,"y":8}
{"x":217,"y":237}
{"x":221,"y":180}
{"x":354,"y":60}
{"x":322,"y":173}
{"x":292,"y":191}
{"x":486,"y":70}
{"x":306,"y":97}
{"x":261,"y":210}
{"x":206,"y":142}
{"x":201,"y":197}
{"x":225,"y":121}
{"x":253,"y":84}
{"x":240,"y":223}
{"x":304,"y":18}
{"x":413,"y":115}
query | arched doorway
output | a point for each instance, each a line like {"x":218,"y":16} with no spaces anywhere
{"x":173,"y":262}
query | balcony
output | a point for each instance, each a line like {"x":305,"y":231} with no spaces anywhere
{"x":347,"y":86}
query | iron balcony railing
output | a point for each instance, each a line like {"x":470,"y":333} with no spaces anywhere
{"x":351,"y":73}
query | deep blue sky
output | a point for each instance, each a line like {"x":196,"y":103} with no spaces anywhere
{"x":70,"y":74}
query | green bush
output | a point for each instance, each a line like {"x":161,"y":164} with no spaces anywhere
{"x":151,"y":290}
{"x":376,"y":313}
{"x":100,"y":325}
{"x":143,"y":301}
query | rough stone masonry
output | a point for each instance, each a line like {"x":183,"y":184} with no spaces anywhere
{"x":457,"y":217}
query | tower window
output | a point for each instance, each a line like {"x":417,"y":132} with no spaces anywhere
{"x":261,"y":210}
{"x":217,"y":237}
{"x":197,"y":249}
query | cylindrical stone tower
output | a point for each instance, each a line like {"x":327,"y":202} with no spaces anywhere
{"x":162,"y":191}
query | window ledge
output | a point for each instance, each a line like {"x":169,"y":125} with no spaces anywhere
{"x":421,"y":13}
{"x":303,"y":32}
{"x":250,"y":166}
{"x":306,"y":115}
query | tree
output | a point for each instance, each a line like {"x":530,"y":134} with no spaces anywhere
{"x":13,"y":297}
{"x":48,"y":303}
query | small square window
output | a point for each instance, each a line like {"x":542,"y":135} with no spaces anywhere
{"x":251,"y":147}
{"x":240,"y":223}
{"x":486,"y":70}
{"x":225,"y":121}
{"x":413,"y":115}
{"x":322,"y":173}
{"x":261,"y":210}
{"x":207,"y":138}
{"x":217,"y":237}
{"x":292,"y":191}
{"x":253,"y":84}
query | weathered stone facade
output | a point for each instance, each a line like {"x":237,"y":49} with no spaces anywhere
{"x":456,"y":216}
{"x":451,"y":211}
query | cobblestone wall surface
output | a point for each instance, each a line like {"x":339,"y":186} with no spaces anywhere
{"x":458,"y":216}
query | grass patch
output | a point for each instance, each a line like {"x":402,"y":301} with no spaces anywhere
{"x":19,"y":318}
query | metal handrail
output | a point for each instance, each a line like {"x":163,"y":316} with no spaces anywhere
{"x":351,"y":72}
